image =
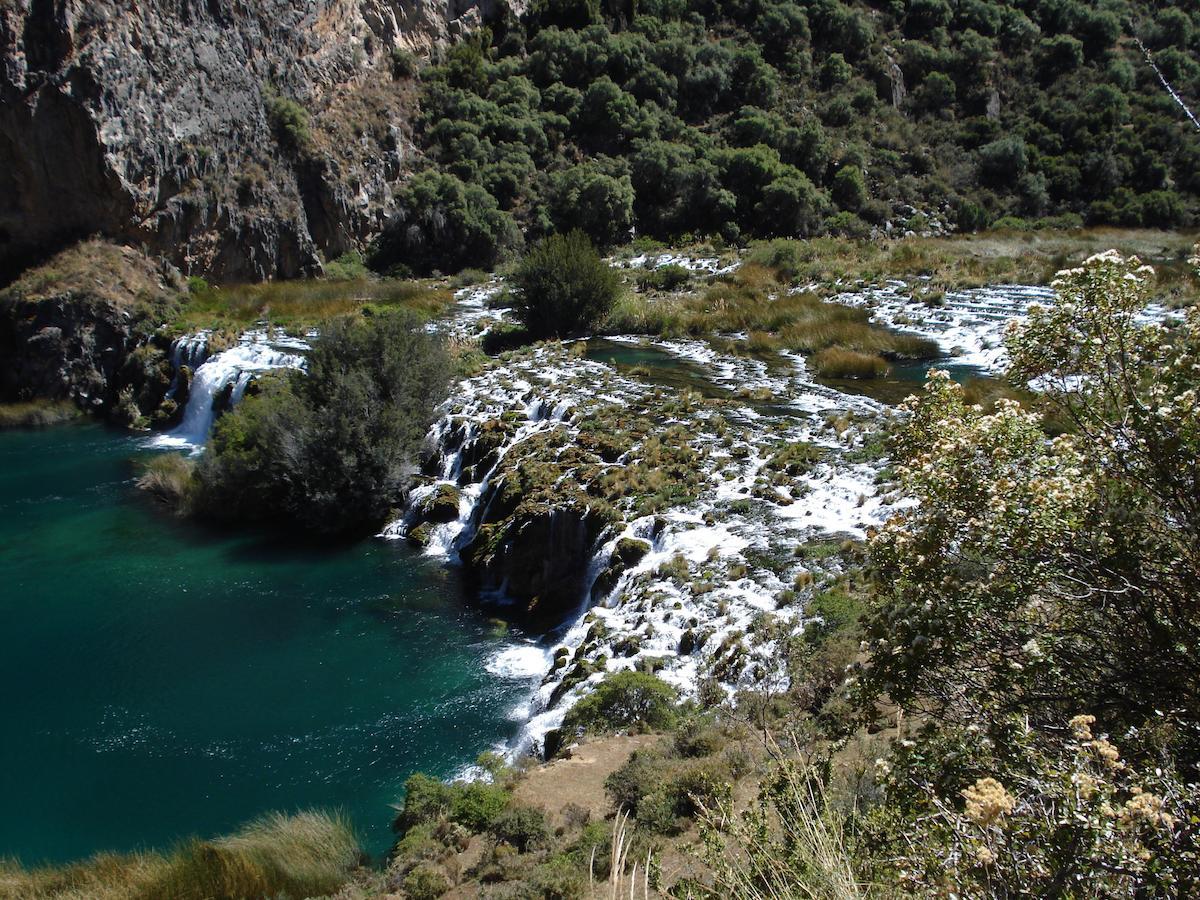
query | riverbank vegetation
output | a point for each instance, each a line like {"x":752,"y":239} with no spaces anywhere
{"x":753,"y":300}
{"x":776,"y":118}
{"x":37,"y":413}
{"x":298,"y":306}
{"x":331,"y":449}
{"x":309,"y":854}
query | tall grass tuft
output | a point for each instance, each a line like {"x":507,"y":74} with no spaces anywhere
{"x":310,"y":854}
{"x":836,"y":362}
{"x":634,"y":884}
{"x":168,"y":477}
{"x":791,"y":847}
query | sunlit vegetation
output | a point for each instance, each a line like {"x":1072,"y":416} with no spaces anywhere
{"x":304,"y":855}
{"x":778,"y":118}
{"x":299,"y":305}
{"x":839,"y":363}
{"x":331,"y":449}
{"x":752,"y":300}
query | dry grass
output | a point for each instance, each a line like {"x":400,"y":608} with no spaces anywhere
{"x":168,"y":477}
{"x":306,"y":855}
{"x":835,"y":362}
{"x":752,"y":300}
{"x":37,"y":413}
{"x":797,"y":853}
{"x":981,"y":259}
{"x":300,"y":304}
{"x":105,"y":271}
{"x":623,"y":881}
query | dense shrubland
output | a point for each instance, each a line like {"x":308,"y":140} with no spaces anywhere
{"x":759,"y":118}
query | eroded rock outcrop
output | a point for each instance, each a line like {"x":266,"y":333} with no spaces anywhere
{"x":84,"y":327}
{"x":151,"y":123}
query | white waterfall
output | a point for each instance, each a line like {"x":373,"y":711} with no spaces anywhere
{"x":190,"y":350}
{"x":234,"y":368}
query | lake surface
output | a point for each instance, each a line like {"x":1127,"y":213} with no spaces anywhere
{"x":158,"y":679}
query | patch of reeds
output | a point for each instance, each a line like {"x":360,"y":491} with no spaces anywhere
{"x":296,"y":304}
{"x":36,"y":413}
{"x":751,"y":300}
{"x":309,"y":854}
{"x":837,"y":362}
{"x":168,"y":477}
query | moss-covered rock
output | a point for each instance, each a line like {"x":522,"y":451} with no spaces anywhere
{"x":419,"y":536}
{"x":441,"y":506}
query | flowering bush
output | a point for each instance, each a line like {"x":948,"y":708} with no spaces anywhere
{"x":1036,"y":581}
{"x":1061,"y":815}
{"x":1046,"y":576}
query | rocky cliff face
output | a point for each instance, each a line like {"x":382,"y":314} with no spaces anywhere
{"x":150,"y":122}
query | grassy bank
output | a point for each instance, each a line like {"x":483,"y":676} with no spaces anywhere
{"x":298,"y":305}
{"x":975,"y":260}
{"x":305,"y":855}
{"x":37,"y":413}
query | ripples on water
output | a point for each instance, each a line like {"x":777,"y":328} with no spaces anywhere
{"x":161,"y":680}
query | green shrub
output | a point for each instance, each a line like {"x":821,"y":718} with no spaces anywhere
{"x":404,"y":63}
{"x":425,"y":800}
{"x":697,"y":736}
{"x":624,"y":700}
{"x":563,"y":287}
{"x":522,"y":826}
{"x":330,"y":450}
{"x":849,"y":189}
{"x":638,"y":777}
{"x":474,"y":805}
{"x":425,"y":882}
{"x":559,"y":878}
{"x":347,"y":267}
{"x":664,"y":278}
{"x":442,"y":223}
{"x":468,"y":277}
{"x":477,"y":805}
{"x":288,"y":120}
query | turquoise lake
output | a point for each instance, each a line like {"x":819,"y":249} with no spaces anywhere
{"x":158,"y":679}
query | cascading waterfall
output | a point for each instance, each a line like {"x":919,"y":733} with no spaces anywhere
{"x":234,"y":369}
{"x":190,"y":350}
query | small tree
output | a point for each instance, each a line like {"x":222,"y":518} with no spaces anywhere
{"x":563,"y":286}
{"x":1039,"y":578}
{"x":624,"y":700}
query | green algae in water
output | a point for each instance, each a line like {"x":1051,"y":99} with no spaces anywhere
{"x":161,"y":680}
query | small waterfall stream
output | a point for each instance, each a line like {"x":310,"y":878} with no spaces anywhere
{"x":234,"y":369}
